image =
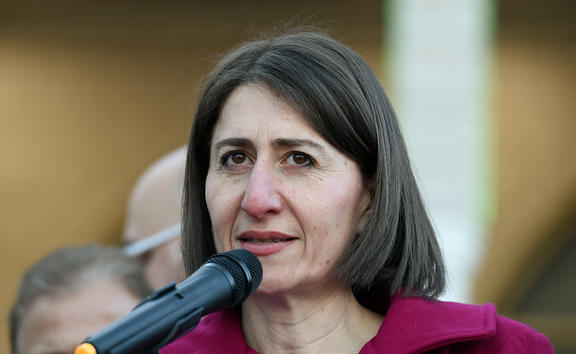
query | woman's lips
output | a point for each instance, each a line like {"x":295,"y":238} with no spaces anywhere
{"x":263,"y":243}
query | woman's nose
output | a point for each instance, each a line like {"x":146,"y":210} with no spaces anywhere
{"x":261,"y":196}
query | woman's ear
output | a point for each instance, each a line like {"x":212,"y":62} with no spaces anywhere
{"x":365,"y":206}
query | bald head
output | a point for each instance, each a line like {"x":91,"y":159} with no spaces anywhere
{"x":155,"y":205}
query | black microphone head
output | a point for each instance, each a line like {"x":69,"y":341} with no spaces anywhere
{"x":244,"y":267}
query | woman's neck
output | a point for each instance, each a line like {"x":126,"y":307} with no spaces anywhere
{"x":330,"y":323}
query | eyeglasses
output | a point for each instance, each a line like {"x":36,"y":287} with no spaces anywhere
{"x":146,"y":244}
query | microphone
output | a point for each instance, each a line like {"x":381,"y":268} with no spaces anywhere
{"x":223,"y":281}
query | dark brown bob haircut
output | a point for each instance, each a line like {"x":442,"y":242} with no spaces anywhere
{"x":334,"y":89}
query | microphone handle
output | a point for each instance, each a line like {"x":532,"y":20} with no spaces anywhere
{"x":167,"y":313}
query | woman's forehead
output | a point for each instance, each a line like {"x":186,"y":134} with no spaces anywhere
{"x":254,"y":110}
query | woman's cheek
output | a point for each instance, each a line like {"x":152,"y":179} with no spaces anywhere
{"x":219,"y":244}
{"x":221,"y":215}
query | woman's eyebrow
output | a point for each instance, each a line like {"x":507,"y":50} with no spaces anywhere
{"x":236,"y":142}
{"x":292,"y":143}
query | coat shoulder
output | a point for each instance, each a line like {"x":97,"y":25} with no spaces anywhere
{"x":415,"y":324}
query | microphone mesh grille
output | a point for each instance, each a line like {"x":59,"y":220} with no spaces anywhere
{"x":244,"y":267}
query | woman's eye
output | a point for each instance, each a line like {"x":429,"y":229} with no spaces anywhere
{"x":300,"y":159}
{"x":238,"y":158}
{"x":234,"y":158}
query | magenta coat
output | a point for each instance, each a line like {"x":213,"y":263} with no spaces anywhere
{"x":411,"y":325}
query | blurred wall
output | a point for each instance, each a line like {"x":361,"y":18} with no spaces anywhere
{"x":529,"y":270}
{"x":92,"y":93}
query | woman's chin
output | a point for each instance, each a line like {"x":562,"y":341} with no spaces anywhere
{"x":271,"y":288}
{"x":283,"y":288}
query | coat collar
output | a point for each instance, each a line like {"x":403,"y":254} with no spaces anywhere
{"x":414,"y":324}
{"x":411,"y":325}
{"x":219,"y":332}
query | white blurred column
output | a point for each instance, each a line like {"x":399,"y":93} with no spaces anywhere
{"x":439,"y":69}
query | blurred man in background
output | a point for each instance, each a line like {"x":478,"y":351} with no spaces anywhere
{"x":71,"y":294}
{"x":152,"y":228}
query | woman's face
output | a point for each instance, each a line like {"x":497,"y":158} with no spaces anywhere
{"x":276,"y":188}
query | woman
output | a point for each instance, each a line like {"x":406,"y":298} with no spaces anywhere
{"x":296,"y":155}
